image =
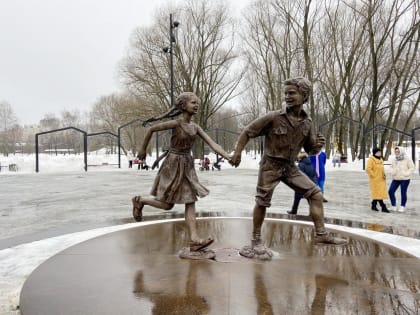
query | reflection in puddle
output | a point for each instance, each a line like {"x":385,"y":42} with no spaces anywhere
{"x":138,"y":271}
{"x":356,"y":224}
{"x":362,"y":277}
{"x":324,"y":285}
{"x":171,"y":300}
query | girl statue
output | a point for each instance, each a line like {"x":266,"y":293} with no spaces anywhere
{"x":177,"y":181}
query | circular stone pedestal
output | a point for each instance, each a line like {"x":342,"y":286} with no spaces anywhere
{"x":138,"y":271}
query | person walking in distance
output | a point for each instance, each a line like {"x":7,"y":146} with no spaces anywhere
{"x":318,"y":162}
{"x":337,"y":158}
{"x":305,"y":166}
{"x":377,"y":180}
{"x":177,"y":181}
{"x":130,"y":159}
{"x":402,"y":168}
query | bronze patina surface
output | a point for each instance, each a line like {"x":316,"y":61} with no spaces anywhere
{"x":138,"y":271}
{"x":286,"y":132}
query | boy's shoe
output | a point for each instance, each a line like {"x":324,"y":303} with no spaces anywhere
{"x":327,"y":238}
{"x":401,"y":209}
{"x":393,"y":208}
{"x":256,"y":250}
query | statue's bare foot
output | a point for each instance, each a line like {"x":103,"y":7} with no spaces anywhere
{"x":137,"y":208}
{"x":196,"y":245}
{"x":256,"y":250}
{"x":327,"y":238}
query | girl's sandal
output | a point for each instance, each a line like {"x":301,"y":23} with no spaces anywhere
{"x":137,"y":208}
{"x":198,"y":245}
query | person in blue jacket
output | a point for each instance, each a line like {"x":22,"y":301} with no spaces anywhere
{"x":305,"y":165}
{"x":318,"y":162}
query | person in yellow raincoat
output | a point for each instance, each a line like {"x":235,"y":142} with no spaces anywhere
{"x":377,"y":180}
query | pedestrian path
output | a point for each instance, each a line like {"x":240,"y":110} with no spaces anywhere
{"x":68,"y":208}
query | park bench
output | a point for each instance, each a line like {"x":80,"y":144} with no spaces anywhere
{"x":12,"y":167}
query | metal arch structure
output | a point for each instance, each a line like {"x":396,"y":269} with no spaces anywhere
{"x":57,"y":130}
{"x":102,"y":133}
{"x":411,"y":135}
{"x":354,"y":121}
{"x":138,"y":120}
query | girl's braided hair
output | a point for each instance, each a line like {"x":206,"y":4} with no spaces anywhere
{"x":174,"y":110}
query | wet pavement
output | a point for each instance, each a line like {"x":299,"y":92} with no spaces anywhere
{"x":38,"y":206}
{"x":137,"y":271}
{"x":43,"y":214}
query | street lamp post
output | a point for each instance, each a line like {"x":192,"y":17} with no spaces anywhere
{"x":172,"y":26}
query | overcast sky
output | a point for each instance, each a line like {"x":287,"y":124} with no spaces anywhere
{"x":63,"y":54}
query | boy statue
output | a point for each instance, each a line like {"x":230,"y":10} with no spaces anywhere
{"x":286,"y":132}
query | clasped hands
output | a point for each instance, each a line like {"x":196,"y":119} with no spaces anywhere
{"x":141,"y":155}
{"x":319,"y":141}
{"x":235,"y":159}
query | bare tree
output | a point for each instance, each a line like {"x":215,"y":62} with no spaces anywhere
{"x":71,"y":139}
{"x":342,"y":59}
{"x":10,"y":131}
{"x":279,"y":44}
{"x":7,"y":116}
{"x":269,"y":53}
{"x":115,"y":110}
{"x":361,"y":56}
{"x":50,"y":142}
{"x":204,"y":58}
{"x":389,"y":37}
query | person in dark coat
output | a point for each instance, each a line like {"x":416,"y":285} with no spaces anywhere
{"x":305,"y":165}
{"x":318,"y":163}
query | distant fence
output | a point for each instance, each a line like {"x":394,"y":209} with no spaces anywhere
{"x":224,"y":137}
{"x":365,"y":133}
{"x":85,"y":142}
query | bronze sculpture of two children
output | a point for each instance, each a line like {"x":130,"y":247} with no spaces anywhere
{"x":285,"y":133}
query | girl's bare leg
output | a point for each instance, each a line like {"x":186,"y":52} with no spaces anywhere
{"x":195,"y":242}
{"x":191,"y":221}
{"x":150,"y":201}
{"x":139,"y":202}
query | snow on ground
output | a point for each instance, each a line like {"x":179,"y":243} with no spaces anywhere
{"x":51,"y":163}
{"x":17,"y":263}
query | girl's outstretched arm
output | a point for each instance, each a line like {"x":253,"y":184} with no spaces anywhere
{"x":157,"y":127}
{"x":215,"y":147}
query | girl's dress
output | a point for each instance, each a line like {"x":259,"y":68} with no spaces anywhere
{"x":177,"y":180}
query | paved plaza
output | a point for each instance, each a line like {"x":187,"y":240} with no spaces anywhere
{"x":38,"y":206}
{"x":42,"y":214}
